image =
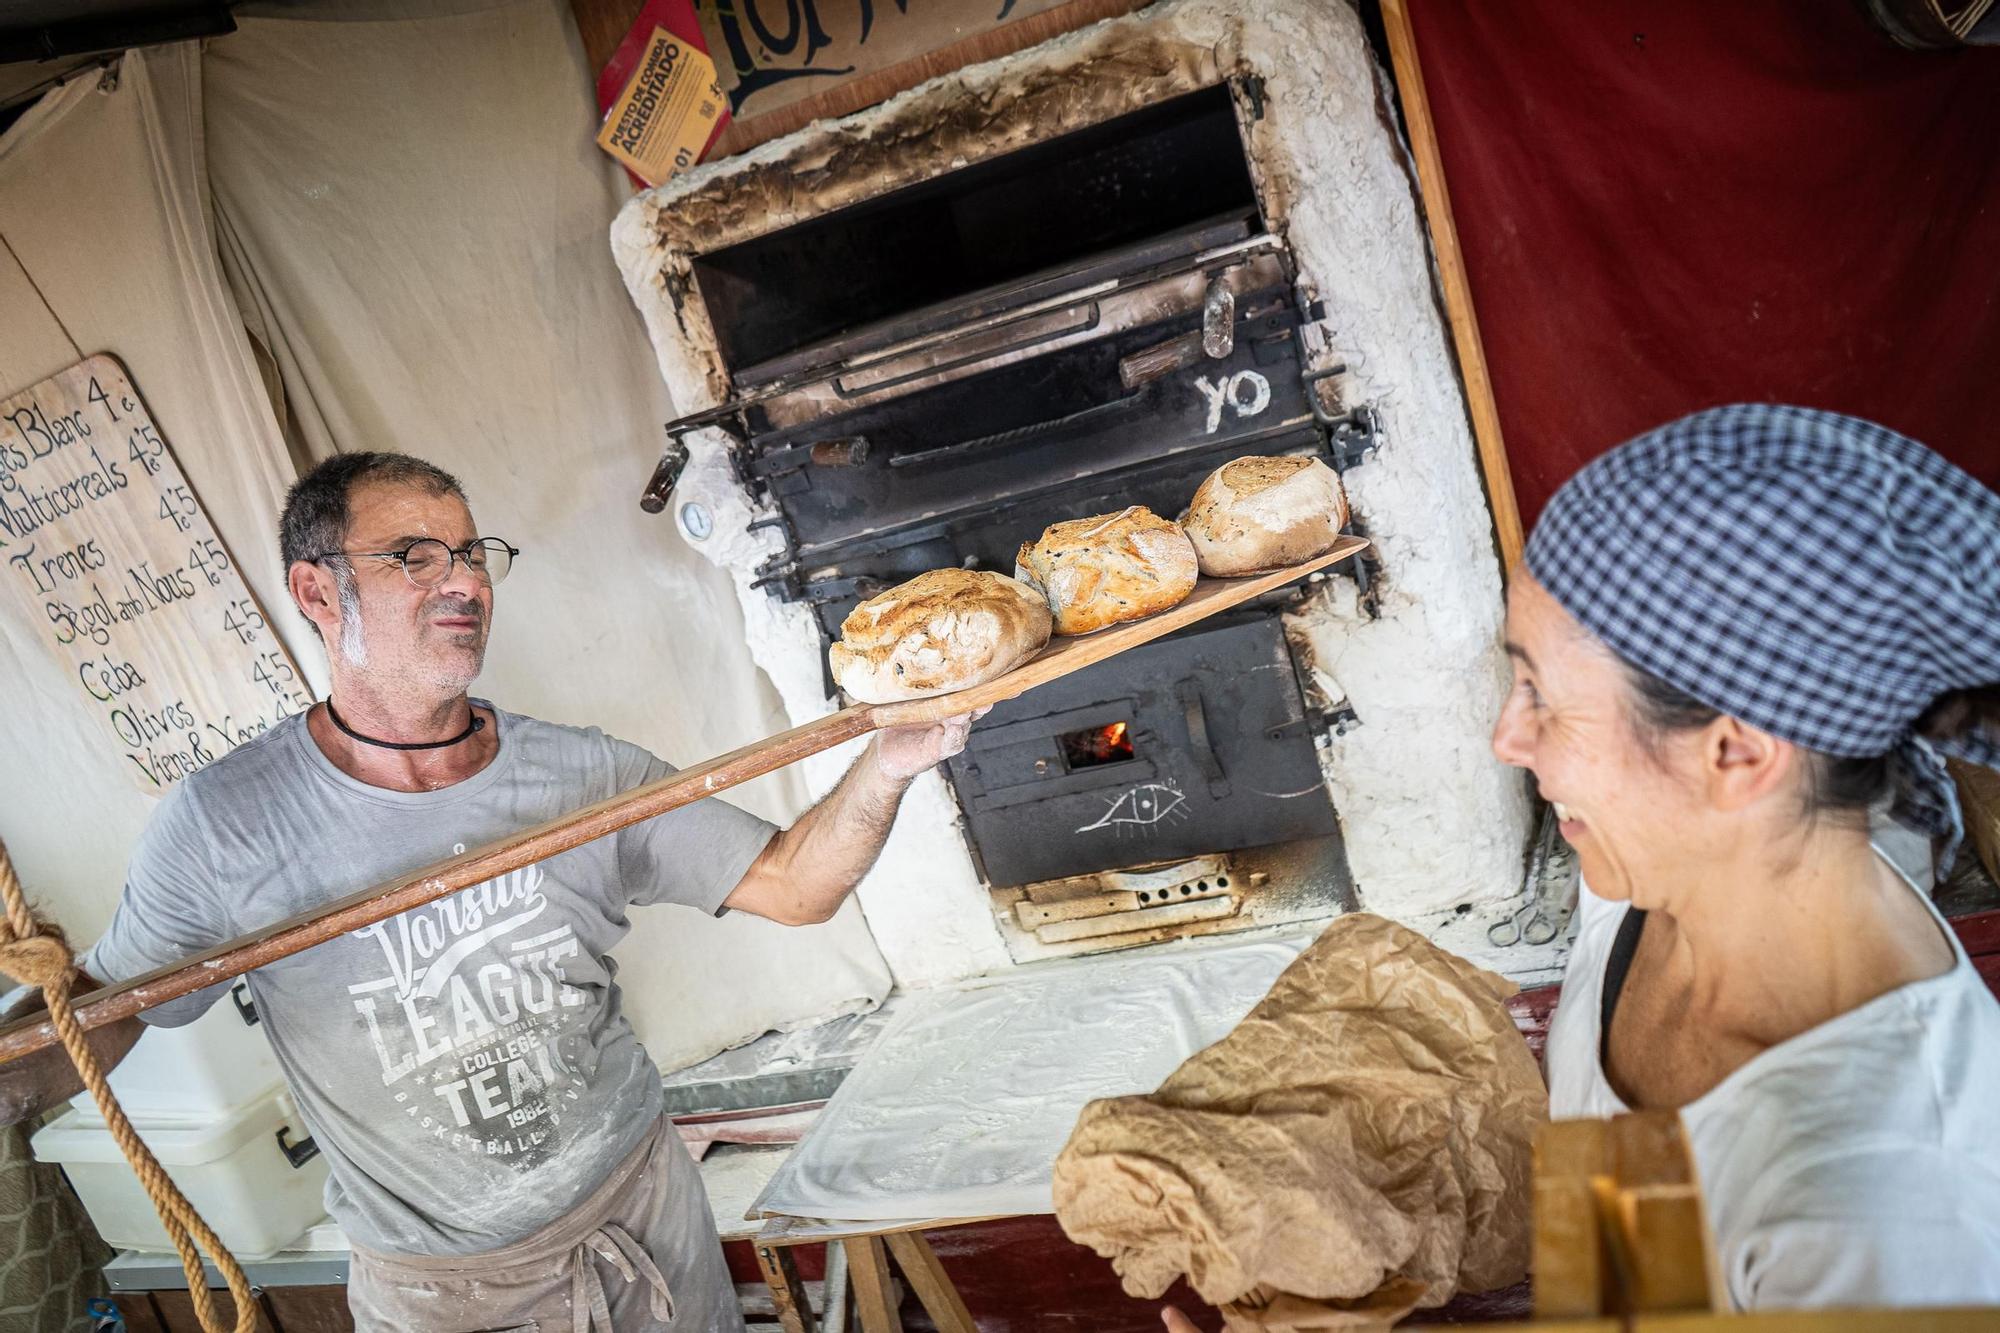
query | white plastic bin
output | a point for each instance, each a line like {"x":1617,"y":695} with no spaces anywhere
{"x":203,"y":1070}
{"x":233,"y":1168}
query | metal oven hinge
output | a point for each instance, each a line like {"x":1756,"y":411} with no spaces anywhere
{"x":781,"y":570}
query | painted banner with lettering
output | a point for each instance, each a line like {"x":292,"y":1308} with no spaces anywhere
{"x":770,"y":53}
{"x":108,"y":551}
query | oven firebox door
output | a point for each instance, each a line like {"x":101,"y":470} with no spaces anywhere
{"x":1193,"y":744}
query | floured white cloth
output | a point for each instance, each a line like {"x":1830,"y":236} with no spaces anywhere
{"x":960,"y":1108}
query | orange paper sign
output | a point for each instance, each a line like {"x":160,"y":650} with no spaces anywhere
{"x":663,"y":119}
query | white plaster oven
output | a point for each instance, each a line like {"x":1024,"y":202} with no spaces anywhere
{"x":1430,"y":823}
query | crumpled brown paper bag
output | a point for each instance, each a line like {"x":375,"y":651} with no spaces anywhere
{"x":1369,"y":1125}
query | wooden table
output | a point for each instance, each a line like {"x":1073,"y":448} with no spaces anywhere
{"x":869,"y":1247}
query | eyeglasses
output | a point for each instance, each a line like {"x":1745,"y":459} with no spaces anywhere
{"x":427,"y":562}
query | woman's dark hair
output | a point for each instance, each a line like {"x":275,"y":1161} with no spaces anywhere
{"x":1962,"y":713}
{"x":1838,"y":787}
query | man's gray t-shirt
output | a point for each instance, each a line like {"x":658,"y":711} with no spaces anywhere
{"x":465,"y":1066}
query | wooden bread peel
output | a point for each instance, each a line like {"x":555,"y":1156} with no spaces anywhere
{"x":245,"y":953}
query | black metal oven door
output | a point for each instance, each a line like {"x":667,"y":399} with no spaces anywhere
{"x":1031,"y":428}
{"x":1193,"y":744}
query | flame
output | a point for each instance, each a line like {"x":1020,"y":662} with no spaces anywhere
{"x":1108,"y":744}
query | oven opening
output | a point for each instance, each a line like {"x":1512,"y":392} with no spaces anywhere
{"x":1094,"y":746}
{"x":1175,"y":165}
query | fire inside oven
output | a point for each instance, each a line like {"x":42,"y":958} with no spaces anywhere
{"x":1096,"y":745}
{"x":931,"y":377}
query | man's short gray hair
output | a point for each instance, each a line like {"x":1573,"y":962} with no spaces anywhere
{"x":316,"y":514}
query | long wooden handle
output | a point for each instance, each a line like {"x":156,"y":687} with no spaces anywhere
{"x":1464,"y":320}
{"x":233,"y":958}
{"x":245,"y":953}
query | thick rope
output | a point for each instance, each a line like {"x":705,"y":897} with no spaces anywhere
{"x":35,"y":952}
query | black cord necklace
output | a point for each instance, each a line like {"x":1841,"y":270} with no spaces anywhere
{"x":476,"y":724}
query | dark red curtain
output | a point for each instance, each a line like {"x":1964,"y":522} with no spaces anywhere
{"x":1668,"y":206}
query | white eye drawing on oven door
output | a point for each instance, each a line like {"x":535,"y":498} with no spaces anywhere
{"x":1141,"y":808}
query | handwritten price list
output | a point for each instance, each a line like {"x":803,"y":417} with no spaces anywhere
{"x":106,"y":552}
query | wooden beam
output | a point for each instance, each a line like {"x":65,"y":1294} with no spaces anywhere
{"x":874,"y":1293}
{"x":865,"y":90}
{"x":788,"y":1294}
{"x":932,"y":1284}
{"x":1457,"y":290}
{"x":602,"y":24}
{"x":233,"y":958}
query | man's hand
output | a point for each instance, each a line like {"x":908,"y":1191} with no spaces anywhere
{"x":804,"y":873}
{"x":901,"y":753}
{"x":1177,"y":1322}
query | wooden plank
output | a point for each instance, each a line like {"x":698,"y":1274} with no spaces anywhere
{"x":932,"y":1284}
{"x":1661,"y":1233}
{"x":866,"y":90}
{"x":874,"y":1292}
{"x":781,"y":1275}
{"x":1568,"y":1256}
{"x":176,"y":1308}
{"x":136,"y":1308}
{"x":1982,"y":1320}
{"x":602,"y":24}
{"x":1032,"y":914}
{"x":319,"y":1309}
{"x":1457,"y":288}
{"x":784,"y":1231}
{"x":1067,"y":654}
{"x":1186,"y":913}
{"x":1669,"y":1250}
{"x":246,"y":952}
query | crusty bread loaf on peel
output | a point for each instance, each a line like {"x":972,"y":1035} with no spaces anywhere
{"x":942,"y":631}
{"x":1262,"y":513}
{"x":1110,"y":568}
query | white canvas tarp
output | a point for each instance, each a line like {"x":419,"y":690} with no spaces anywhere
{"x":412,"y":218}
{"x":103,"y":213}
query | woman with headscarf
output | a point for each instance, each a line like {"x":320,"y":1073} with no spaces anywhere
{"x":1733,"y":639}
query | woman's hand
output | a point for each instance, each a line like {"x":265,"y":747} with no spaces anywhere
{"x":1177,"y":1322}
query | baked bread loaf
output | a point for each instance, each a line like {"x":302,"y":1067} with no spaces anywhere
{"x":941,"y":631}
{"x":1110,"y":568}
{"x":1262,"y":513}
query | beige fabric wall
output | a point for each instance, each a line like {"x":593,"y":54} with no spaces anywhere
{"x":414,"y":220}
{"x":102,"y":206}
{"x":413,"y":216}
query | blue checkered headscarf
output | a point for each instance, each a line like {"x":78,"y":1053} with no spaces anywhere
{"x":1817,"y":576}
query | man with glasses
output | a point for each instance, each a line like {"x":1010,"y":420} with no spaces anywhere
{"x":494,"y":1132}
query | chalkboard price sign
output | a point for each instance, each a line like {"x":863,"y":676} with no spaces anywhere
{"x":107,"y":553}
